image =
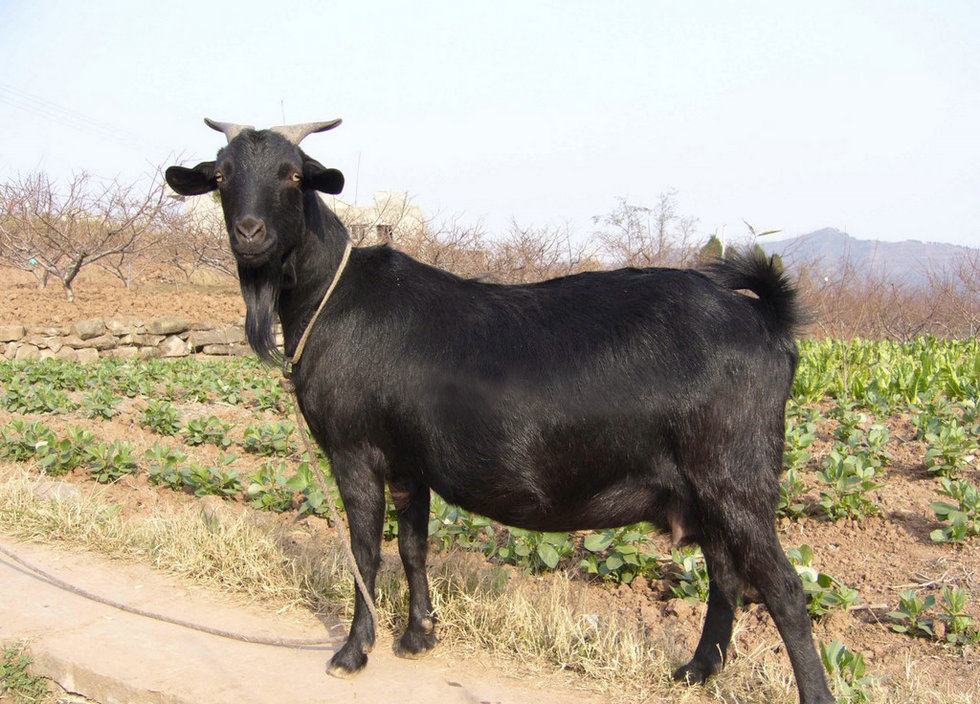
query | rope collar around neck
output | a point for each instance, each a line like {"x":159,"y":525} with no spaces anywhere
{"x":288,"y":362}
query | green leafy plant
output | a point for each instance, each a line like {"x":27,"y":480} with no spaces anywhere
{"x":161,"y":417}
{"x":108,"y":462}
{"x":164,"y":465}
{"x":23,"y":440}
{"x":791,"y":487}
{"x":269,"y":439}
{"x":66,"y":454}
{"x":848,"y":478}
{"x":534,"y":550}
{"x":909,"y":615}
{"x":848,"y":431}
{"x":621,"y":554}
{"x":210,"y":429}
{"x":271,"y":397}
{"x":948,"y":448}
{"x":451,"y":526}
{"x":961,"y":627}
{"x":100,"y":403}
{"x":799,"y":437}
{"x":17,"y":681}
{"x":963,"y":517}
{"x":24,"y":396}
{"x":268,"y":488}
{"x":871,"y":446}
{"x":691,"y":573}
{"x":847,"y":672}
{"x":131,"y":380}
{"x":314,"y":498}
{"x":823,"y":592}
{"x":217,"y":480}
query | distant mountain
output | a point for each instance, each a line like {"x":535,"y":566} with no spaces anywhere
{"x":909,"y":262}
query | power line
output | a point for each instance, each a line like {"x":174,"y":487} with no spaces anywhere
{"x":52,"y":111}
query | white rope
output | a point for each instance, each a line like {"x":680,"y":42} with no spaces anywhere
{"x":309,"y":327}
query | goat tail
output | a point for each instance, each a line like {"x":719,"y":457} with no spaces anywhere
{"x":752,"y":270}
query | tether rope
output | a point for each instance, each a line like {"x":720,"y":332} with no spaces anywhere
{"x":35,"y":571}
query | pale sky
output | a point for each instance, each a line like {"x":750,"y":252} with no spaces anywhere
{"x":864,"y":116}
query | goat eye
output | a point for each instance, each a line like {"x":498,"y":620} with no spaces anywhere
{"x":296,"y":177}
{"x":219,"y":177}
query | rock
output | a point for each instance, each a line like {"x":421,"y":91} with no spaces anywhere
{"x":127,"y":352}
{"x":11,"y":333}
{"x":27,"y":351}
{"x":237,"y":350}
{"x":87,"y":355}
{"x":45,"y":343}
{"x":87,"y":329}
{"x":141,"y":340}
{"x":47,"y":330}
{"x":218,"y":336}
{"x":173,"y":346}
{"x":166,"y":326}
{"x":72,"y":341}
{"x":122,"y":326}
{"x":103,"y":342}
{"x":149,"y":353}
{"x":68,"y":354}
{"x":60,"y":491}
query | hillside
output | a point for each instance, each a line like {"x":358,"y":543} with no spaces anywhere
{"x":909,"y":262}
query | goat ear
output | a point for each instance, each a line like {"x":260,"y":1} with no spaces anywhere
{"x":192,"y":182}
{"x":320,"y":178}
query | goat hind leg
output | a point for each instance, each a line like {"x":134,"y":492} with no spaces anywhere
{"x":771,"y":573}
{"x":723,"y":588}
{"x":412,"y":504}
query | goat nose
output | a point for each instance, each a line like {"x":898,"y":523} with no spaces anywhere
{"x":249,"y":229}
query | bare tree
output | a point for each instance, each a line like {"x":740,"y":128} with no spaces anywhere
{"x":90,"y":221}
{"x":635,"y":235}
{"x":196,"y":238}
{"x":450,"y":245}
{"x":534,"y":254}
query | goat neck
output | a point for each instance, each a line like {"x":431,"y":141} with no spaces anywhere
{"x":309,"y":270}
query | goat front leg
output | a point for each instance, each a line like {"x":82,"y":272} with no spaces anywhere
{"x":412,"y":504}
{"x":362,"y":491}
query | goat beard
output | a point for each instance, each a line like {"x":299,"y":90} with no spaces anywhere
{"x":260,"y":289}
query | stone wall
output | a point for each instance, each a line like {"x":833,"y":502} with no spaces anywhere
{"x":122,"y":338}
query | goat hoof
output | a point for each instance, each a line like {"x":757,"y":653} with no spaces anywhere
{"x":415,"y":644}
{"x":347,"y":663}
{"x":695,"y":672}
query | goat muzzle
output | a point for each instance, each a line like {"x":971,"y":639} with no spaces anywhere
{"x":250,"y":230}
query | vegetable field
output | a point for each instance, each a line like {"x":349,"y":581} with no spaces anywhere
{"x":880,"y":510}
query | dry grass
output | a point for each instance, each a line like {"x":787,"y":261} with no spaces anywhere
{"x":534,"y":626}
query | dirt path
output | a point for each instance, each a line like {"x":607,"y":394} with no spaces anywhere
{"x":113,"y":656}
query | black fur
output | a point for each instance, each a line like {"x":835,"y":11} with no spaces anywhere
{"x":590,"y":401}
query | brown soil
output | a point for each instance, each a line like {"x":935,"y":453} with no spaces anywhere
{"x":212,"y":298}
{"x":879,"y":556}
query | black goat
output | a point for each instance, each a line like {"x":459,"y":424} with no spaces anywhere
{"x":589,"y":401}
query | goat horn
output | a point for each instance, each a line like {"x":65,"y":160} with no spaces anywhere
{"x":230,"y":129}
{"x":295,"y":133}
